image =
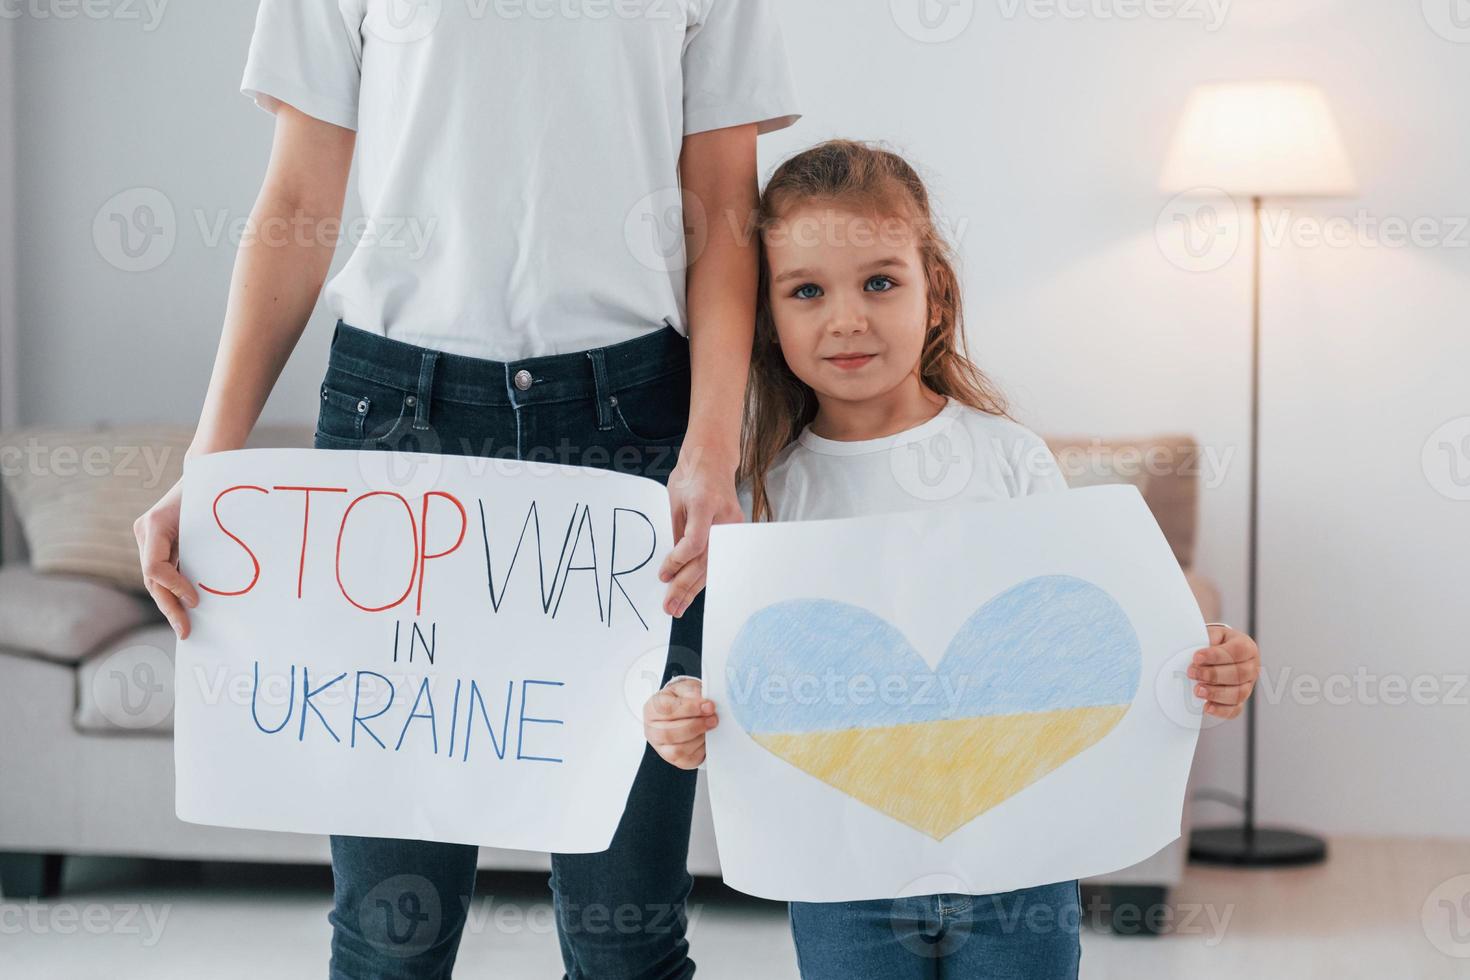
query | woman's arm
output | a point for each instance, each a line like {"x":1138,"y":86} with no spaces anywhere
{"x":279,"y":271}
{"x":718,"y":172}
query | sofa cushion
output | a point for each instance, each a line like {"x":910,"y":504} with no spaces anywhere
{"x":63,"y":617}
{"x":77,"y":492}
{"x":1165,"y":469}
{"x":128,"y":685}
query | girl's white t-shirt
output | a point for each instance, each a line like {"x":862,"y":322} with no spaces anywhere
{"x":960,"y":456}
{"x":518,"y":159}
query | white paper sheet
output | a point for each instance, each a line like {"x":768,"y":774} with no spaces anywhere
{"x":972,"y":699}
{"x":523,"y":738}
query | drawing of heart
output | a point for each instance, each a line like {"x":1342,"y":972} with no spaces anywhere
{"x":1034,"y":677}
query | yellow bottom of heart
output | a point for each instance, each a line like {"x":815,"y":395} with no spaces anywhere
{"x":937,"y":776}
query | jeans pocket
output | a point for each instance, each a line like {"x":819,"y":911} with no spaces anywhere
{"x":656,"y":413}
{"x":356,"y":410}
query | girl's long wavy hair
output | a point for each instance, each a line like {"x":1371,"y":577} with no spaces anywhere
{"x":865,"y":179}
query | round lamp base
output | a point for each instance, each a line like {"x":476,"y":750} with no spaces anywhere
{"x":1255,"y":848}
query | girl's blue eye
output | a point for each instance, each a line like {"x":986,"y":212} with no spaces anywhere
{"x":801,"y":291}
{"x":888,"y":283}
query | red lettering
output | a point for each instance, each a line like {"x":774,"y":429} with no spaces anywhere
{"x":413,"y":567}
{"x":306,"y":525}
{"x":464,"y":522}
{"x":253,"y":560}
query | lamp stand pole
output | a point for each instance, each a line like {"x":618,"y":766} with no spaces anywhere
{"x":1248,"y":845}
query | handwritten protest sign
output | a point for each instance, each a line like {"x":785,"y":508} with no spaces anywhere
{"x":966,"y":699}
{"x":416,"y":646}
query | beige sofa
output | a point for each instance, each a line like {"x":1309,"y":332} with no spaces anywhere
{"x":86,"y":682}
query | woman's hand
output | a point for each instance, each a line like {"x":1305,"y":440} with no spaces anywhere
{"x":1225,"y":672}
{"x":157,"y":531}
{"x":701,"y":495}
{"x":675,"y":721}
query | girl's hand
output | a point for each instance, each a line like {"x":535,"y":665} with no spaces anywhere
{"x":675,"y":721}
{"x":1225,"y":672}
{"x":701,"y":494}
{"x":157,"y":531}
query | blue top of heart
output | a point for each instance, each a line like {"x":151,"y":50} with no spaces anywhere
{"x":1051,"y":642}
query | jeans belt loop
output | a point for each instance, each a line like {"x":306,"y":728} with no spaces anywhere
{"x":426,"y":390}
{"x":604,"y":397}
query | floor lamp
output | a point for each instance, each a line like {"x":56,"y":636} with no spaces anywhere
{"x":1257,"y":140}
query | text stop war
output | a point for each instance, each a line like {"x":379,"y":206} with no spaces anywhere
{"x":598,"y":570}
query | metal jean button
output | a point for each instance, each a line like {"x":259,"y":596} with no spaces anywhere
{"x":523,"y":380}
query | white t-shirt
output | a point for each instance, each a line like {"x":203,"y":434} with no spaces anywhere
{"x":960,"y":456}
{"x":518,"y":159}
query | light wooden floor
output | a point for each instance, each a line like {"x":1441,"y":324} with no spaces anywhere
{"x":1361,"y":915}
{"x":1372,"y":912}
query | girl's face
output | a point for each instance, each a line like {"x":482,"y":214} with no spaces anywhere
{"x":849,"y":299}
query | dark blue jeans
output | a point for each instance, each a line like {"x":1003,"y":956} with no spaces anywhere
{"x":1028,"y":934}
{"x":401,"y":905}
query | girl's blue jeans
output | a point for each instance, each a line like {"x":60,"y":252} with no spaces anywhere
{"x":1029,"y":934}
{"x":401,"y":906}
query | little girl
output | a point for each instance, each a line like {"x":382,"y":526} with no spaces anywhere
{"x":863,"y":401}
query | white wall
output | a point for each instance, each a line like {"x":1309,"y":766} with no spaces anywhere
{"x":1043,"y":137}
{"x":9,"y":395}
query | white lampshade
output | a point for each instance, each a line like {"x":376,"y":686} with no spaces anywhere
{"x":1267,"y":139}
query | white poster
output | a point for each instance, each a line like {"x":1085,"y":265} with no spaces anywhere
{"x":416,"y":646}
{"x":970,"y":699}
